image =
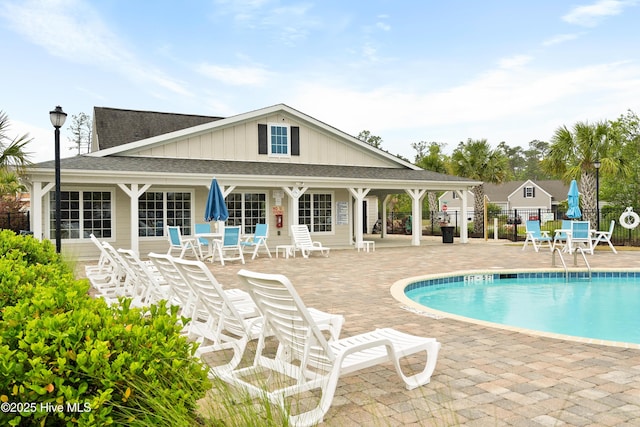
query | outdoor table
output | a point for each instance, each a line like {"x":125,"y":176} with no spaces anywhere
{"x":211,"y":239}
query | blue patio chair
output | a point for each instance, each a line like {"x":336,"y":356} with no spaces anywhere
{"x":560,"y":236}
{"x":581,"y":236}
{"x":258,"y":240}
{"x":200,"y":241}
{"x":179,"y":243}
{"x":229,"y":248}
{"x":536,"y":237}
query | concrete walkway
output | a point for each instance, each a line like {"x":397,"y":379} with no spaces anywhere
{"x":485,"y":376}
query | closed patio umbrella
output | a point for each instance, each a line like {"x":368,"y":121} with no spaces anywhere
{"x":216,"y":208}
{"x":573,"y":200}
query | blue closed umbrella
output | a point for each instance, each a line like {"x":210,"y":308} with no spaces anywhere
{"x":216,"y":208}
{"x":573,"y":200}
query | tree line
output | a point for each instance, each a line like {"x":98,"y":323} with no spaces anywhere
{"x":572,"y":153}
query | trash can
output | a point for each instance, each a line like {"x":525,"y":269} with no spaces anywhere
{"x":447,"y":234}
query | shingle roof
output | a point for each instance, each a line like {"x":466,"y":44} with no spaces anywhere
{"x":115,"y":127}
{"x":228,"y":167}
{"x":500,"y":192}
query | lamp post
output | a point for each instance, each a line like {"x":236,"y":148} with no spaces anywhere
{"x":596,"y":165}
{"x":57,"y":117}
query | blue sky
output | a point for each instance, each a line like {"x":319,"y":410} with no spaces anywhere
{"x":407,"y":71}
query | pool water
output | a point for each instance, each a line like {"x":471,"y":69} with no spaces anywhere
{"x":603,"y":308}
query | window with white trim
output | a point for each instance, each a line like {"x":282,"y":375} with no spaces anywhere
{"x":82,"y":213}
{"x":279,"y":143}
{"x":157,"y":208}
{"x":529,"y":192}
{"x":315,"y":210}
{"x":247,"y":210}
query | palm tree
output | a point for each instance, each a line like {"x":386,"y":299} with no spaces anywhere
{"x":10,"y":184}
{"x":475,"y":159}
{"x":573,"y":154}
{"x":12,"y":151}
{"x":430,"y":157}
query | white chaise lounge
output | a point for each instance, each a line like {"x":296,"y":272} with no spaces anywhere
{"x":312,"y":362}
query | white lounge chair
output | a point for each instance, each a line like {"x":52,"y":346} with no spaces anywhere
{"x":121,"y":285}
{"x":179,"y":243}
{"x":536,"y":237}
{"x":605,"y":237}
{"x":313,"y":362}
{"x":302,"y":241}
{"x":234,"y":322}
{"x":182,"y":295}
{"x":258,"y":240}
{"x":107,"y":273}
{"x":150,"y":283}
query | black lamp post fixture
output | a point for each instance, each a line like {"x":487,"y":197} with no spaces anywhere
{"x":596,"y":165}
{"x":58,"y":117}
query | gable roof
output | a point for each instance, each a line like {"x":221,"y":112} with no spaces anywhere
{"x":129,"y":147}
{"x":501,"y":192}
{"x":114,"y":127}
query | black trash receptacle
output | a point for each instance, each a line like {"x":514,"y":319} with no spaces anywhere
{"x":447,"y":234}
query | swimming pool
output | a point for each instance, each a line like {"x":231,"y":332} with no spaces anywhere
{"x":604,"y":309}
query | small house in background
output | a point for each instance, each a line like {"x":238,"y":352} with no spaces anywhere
{"x":519,"y":195}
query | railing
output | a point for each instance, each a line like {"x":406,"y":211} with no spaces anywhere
{"x":575,"y":261}
{"x":16,"y":221}
{"x":511,"y":223}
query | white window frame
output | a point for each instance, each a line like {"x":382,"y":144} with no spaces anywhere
{"x":50,"y":211}
{"x":529,"y":192}
{"x":244,"y":224}
{"x":332,"y":216}
{"x":164,"y":191}
{"x":270,"y":136}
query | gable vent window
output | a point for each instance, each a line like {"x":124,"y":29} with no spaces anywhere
{"x":529,"y":192}
{"x":278,"y":140}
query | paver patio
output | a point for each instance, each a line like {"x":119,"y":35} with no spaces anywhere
{"x":485,"y":376}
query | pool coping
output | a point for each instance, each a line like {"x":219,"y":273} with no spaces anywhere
{"x":398,"y":293}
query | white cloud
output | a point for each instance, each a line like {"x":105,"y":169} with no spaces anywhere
{"x":590,"y":15}
{"x":502,"y":104}
{"x":236,"y":76}
{"x":41,"y":147}
{"x":516,"y":61}
{"x":290,"y":23}
{"x":383,"y":26}
{"x":72,"y":30}
{"x":560,"y":38}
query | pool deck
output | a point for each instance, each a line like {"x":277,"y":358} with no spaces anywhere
{"x":485,"y":376}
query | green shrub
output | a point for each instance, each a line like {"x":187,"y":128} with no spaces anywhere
{"x":28,"y":248}
{"x":26,"y":263}
{"x":114,"y":365}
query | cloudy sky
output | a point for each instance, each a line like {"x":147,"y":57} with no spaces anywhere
{"x":407,"y":71}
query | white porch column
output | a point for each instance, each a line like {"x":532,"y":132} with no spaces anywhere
{"x":134,"y":192}
{"x":359,"y":194}
{"x":38,"y":193}
{"x":416,"y":214}
{"x":464,"y":229}
{"x":294,"y":194}
{"x":385,"y":202}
